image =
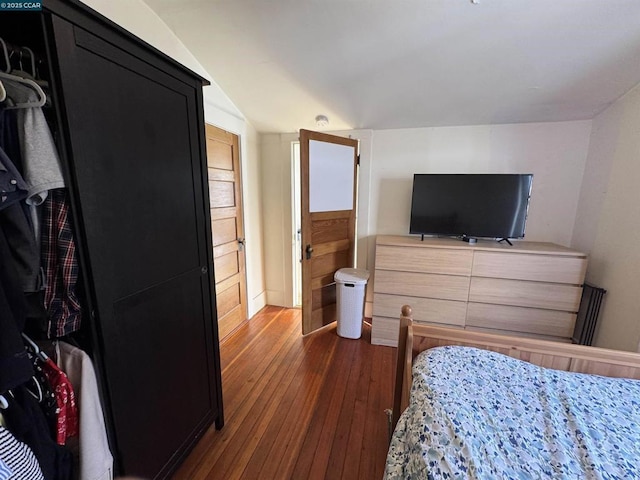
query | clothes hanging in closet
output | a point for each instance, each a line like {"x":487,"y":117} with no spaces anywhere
{"x":67,"y":411}
{"x":17,"y":220}
{"x":15,"y":365}
{"x":40,"y":167}
{"x":92,"y":447}
{"x":60,"y":264}
{"x":49,"y":402}
{"x":40,"y":163}
{"x":30,"y":175}
{"x":40,"y":232}
{"x":26,"y":421}
{"x":13,"y":188}
{"x":17,"y":460}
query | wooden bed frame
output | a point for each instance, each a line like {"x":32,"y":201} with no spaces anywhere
{"x":415,"y":338}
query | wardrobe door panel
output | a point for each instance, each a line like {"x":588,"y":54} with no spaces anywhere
{"x":165,"y":396}
{"x":134,"y":144}
{"x":136,"y":169}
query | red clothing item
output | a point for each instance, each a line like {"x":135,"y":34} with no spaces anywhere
{"x":67,"y":412}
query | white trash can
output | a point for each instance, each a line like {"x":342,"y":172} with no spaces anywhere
{"x":350,"y":286}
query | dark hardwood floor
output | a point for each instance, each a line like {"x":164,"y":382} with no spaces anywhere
{"x":297,"y":407}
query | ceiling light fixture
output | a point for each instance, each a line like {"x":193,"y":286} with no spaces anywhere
{"x":322,"y":120}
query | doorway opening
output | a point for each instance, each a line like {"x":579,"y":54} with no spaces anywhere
{"x":296,"y":203}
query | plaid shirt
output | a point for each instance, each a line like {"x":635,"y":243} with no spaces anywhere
{"x":60,"y":263}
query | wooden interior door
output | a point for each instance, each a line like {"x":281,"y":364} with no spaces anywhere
{"x":328,"y":167}
{"x":225,"y":194}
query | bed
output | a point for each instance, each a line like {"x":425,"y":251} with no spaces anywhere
{"x":481,"y":405}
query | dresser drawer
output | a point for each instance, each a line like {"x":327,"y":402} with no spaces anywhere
{"x":540,"y":268}
{"x":519,"y":319}
{"x":426,"y":260}
{"x":551,"y":296}
{"x":424,"y":309}
{"x":496,"y":331}
{"x":385,"y":330}
{"x":444,"y":287}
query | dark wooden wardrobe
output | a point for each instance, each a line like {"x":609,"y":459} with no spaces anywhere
{"x":129,"y":127}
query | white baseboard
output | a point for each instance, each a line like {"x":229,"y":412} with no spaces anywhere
{"x":257,"y":303}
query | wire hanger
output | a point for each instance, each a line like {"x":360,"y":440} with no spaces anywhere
{"x":42,"y":98}
{"x":34,"y":74}
{"x":5,"y":52}
{"x":40,"y":355}
{"x":6,"y":60}
{"x":39,"y":396}
{"x":19,"y":71}
{"x":35,"y":348}
{"x":32,"y":57}
{"x":3,"y":92}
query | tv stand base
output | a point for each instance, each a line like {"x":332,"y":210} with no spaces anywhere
{"x":470,"y":240}
{"x":505,"y":240}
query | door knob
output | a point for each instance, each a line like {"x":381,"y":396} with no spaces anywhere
{"x":241,"y":243}
{"x":309,"y":251}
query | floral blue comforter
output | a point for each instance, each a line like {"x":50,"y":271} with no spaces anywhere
{"x":478,"y":414}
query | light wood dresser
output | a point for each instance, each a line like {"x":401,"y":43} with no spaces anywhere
{"x":530,"y":288}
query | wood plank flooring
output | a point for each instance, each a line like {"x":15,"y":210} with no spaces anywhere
{"x":297,"y":407}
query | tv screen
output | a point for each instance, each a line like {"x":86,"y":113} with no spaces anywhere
{"x":470,"y":205}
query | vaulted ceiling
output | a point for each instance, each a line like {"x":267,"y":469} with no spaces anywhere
{"x":412,"y":63}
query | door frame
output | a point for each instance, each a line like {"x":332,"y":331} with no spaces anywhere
{"x":296,"y":223}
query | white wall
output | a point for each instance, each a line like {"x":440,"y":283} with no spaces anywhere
{"x":554,"y":152}
{"x":608,"y":221}
{"x":136,"y":17}
{"x":276,"y":207}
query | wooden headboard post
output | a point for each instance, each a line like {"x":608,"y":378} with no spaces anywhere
{"x":404,"y":352}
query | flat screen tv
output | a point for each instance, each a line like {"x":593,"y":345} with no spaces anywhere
{"x":470,"y":205}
